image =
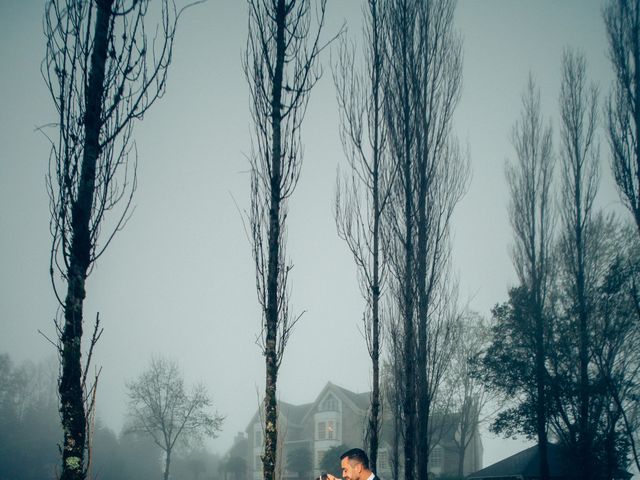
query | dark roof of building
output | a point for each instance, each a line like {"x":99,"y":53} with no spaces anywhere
{"x":523,"y":464}
{"x":294,"y":413}
{"x":361,"y":400}
{"x":526,"y":464}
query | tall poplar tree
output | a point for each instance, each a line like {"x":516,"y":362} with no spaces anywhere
{"x":103,"y":72}
{"x":281,"y":68}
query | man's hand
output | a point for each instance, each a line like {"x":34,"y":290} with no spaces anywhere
{"x":331,"y":477}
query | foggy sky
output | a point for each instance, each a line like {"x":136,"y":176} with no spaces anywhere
{"x":179,"y":279}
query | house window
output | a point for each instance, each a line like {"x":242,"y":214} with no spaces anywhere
{"x":331,"y":430}
{"x":257,"y":463}
{"x":383,"y":460}
{"x":327,"y":430}
{"x":436,"y":459}
{"x":319,"y":457}
{"x":330,"y":404}
{"x":257,"y":438}
{"x":322,"y":430}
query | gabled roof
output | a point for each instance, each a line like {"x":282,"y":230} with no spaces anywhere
{"x":358,"y":402}
{"x":297,"y":414}
{"x":293,"y":413}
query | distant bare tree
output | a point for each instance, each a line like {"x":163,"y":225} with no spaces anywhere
{"x":615,"y":349}
{"x":281,"y":68}
{"x":160,"y":406}
{"x":530,"y":212}
{"x":579,"y":168}
{"x":363,"y":191}
{"x":469,"y":395}
{"x":622,"y":21}
{"x":103,"y":72}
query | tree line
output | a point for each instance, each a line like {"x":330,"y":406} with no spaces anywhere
{"x":164,"y":428}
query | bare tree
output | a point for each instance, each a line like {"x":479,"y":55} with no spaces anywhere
{"x":530,"y":213}
{"x":425,"y":75}
{"x":103,"y":72}
{"x":281,"y":68}
{"x":469,"y":396}
{"x":579,"y":168}
{"x":160,"y":406}
{"x":399,"y":219}
{"x":363,"y":191}
{"x":622,"y":21}
{"x":441,"y":176}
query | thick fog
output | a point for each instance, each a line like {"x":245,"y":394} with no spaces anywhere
{"x":179,"y":281}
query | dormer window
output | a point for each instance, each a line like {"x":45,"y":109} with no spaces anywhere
{"x":329,"y":404}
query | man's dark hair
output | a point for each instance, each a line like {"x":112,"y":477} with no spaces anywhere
{"x":358,"y":455}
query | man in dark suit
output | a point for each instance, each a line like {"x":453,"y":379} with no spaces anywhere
{"x":355,"y":466}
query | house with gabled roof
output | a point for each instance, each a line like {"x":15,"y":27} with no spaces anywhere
{"x":338,"y":417}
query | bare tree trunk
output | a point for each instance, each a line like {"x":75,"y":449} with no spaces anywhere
{"x":273,"y":274}
{"x":99,"y":82}
{"x":70,"y":387}
{"x":362,"y":198}
{"x":393,"y":383}
{"x":422,"y":389}
{"x":541,"y":410}
{"x":280,"y":69}
{"x":167,"y":464}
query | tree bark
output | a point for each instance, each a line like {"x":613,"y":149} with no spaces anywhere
{"x":541,"y":410}
{"x":71,"y":388}
{"x":374,"y":422}
{"x":167,"y":464}
{"x":271,"y":353}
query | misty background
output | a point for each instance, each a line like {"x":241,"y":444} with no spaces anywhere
{"x":178,"y":281}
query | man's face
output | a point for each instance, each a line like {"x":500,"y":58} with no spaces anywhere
{"x":350,"y":469}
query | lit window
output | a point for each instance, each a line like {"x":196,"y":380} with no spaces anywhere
{"x":328,"y":430}
{"x":331,"y":431}
{"x":322,"y":431}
